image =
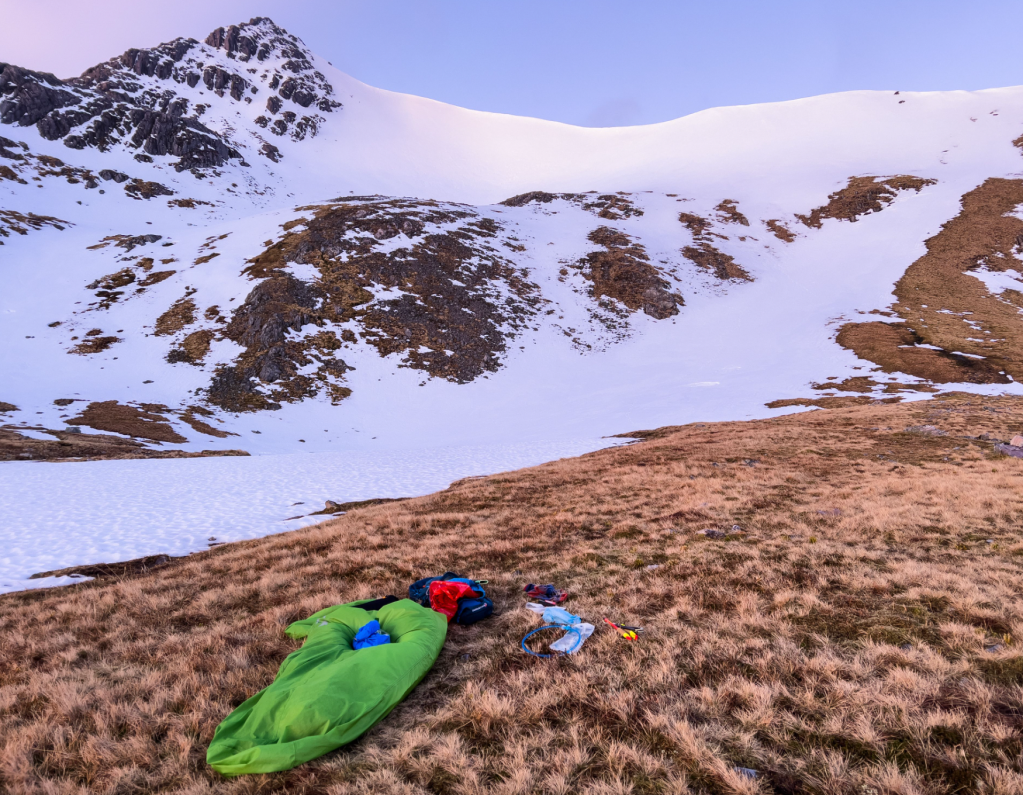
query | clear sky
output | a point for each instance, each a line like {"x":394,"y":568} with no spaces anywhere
{"x":590,"y":62}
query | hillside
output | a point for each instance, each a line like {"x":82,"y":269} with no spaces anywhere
{"x":230,"y":245}
{"x":274,"y":339}
{"x":858,"y":632}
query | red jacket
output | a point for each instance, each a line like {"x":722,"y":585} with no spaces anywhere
{"x":444,"y":596}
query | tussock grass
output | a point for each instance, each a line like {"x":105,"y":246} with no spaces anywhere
{"x":861,"y":635}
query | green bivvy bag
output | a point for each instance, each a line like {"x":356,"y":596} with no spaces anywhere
{"x":327,"y":693}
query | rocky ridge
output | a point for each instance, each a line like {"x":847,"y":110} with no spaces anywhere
{"x":152,"y":102}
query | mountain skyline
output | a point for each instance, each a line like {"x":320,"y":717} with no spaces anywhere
{"x":225,"y":245}
{"x":554,"y":61}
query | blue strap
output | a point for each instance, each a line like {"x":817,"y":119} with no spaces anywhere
{"x":565,"y":627}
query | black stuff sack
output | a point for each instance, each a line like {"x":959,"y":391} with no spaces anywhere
{"x":472,"y":610}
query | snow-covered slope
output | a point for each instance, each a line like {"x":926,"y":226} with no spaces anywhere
{"x":231,"y":244}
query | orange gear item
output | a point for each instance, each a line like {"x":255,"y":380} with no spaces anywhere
{"x":444,"y":596}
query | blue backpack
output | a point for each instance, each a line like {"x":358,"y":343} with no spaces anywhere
{"x":419,"y":591}
{"x":470,"y":610}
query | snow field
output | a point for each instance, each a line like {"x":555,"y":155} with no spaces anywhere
{"x":67,"y":514}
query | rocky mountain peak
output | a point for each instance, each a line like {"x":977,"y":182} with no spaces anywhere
{"x":181,"y":99}
{"x":257,"y":38}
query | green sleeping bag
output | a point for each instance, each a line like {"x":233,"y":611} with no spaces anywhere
{"x":327,"y":693}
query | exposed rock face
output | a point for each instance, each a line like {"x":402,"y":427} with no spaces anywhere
{"x":92,"y":112}
{"x":275,"y":306}
{"x":29,"y":97}
{"x":304,"y":85}
{"x":136,"y":100}
{"x":444,"y":302}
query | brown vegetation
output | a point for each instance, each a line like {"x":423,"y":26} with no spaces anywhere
{"x":705,"y":254}
{"x":190,"y":416}
{"x":180,"y":314}
{"x":939,"y":302}
{"x":95,"y":342}
{"x":728,"y":211}
{"x":71,"y":446}
{"x":780,"y":231}
{"x":843,"y":402}
{"x":189,"y":204}
{"x":609,"y":206}
{"x":696,"y":224}
{"x":144,"y":421}
{"x":865,"y":384}
{"x":137,"y":566}
{"x":861,"y":196}
{"x":859,"y":635}
{"x":127,"y":242}
{"x":892,"y":346}
{"x":622,"y":271}
{"x":716,"y":261}
{"x":193,"y":348}
{"x":108,"y":287}
{"x":143,"y":189}
{"x":21,"y":223}
{"x":155,"y":278}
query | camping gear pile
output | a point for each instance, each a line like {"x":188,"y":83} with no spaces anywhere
{"x":460,"y":599}
{"x":574,"y":630}
{"x":358,"y":662}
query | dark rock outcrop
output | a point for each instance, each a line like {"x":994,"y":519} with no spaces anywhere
{"x":28,"y":97}
{"x":110,"y":105}
{"x":261,"y":324}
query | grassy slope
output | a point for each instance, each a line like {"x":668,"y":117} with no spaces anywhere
{"x":840,"y":646}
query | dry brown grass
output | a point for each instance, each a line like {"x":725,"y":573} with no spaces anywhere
{"x":193,"y":348}
{"x":189,"y":204}
{"x":155,"y":278}
{"x":145,"y":421}
{"x":862,"y":196}
{"x":728,"y":212}
{"x":940,"y":303}
{"x":716,"y":261}
{"x":780,"y":231}
{"x":95,"y":342}
{"x":864,"y":384}
{"x":142,"y":189}
{"x":191,"y":415}
{"x":622,"y":271}
{"x":703,"y":253}
{"x":829,"y":402}
{"x":67,"y":446}
{"x":180,"y":314}
{"x":847,"y":643}
{"x":20,"y":223}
